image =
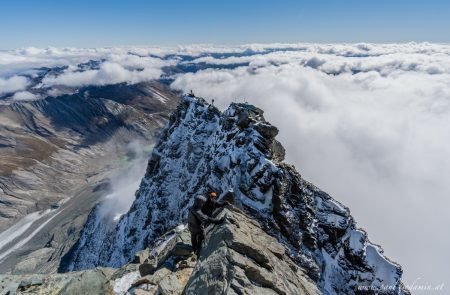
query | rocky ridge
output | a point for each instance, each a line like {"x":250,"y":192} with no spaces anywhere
{"x":238,"y":258}
{"x":202,"y":148}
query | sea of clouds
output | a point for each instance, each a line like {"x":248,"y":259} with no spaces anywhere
{"x":368,"y":123}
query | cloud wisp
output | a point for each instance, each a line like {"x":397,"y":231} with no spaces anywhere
{"x":13,"y":84}
{"x":124,"y":183}
{"x":117,"y":68}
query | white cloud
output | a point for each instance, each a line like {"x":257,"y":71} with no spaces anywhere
{"x":24,"y":95}
{"x":12,"y":84}
{"x":109,"y":73}
{"x":368,"y":123}
{"x":349,"y":58}
{"x":117,"y":65}
{"x":23,"y":60}
{"x":124,"y":184}
{"x":371,"y":130}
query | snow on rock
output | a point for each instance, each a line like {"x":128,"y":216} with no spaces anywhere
{"x":202,"y":148}
{"x":121,"y":285}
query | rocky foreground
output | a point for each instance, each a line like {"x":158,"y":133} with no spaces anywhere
{"x":237,"y":258}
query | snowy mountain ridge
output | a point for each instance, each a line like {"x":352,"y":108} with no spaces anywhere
{"x":203,"y":148}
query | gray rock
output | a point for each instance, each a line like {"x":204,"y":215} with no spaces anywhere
{"x":90,"y":282}
{"x":95,"y":282}
{"x":170,"y":285}
{"x":141,"y":256}
{"x":267,"y":130}
{"x":181,"y":249}
{"x":147,"y":268}
{"x":240,"y":258}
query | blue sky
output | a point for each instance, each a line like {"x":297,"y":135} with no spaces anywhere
{"x":94,"y":23}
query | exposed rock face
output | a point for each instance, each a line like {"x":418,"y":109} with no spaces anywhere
{"x":202,"y":148}
{"x":240,"y":258}
{"x":87,"y":282}
{"x":172,"y":264}
{"x":56,"y":156}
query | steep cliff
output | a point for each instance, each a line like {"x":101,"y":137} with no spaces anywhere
{"x":202,"y":148}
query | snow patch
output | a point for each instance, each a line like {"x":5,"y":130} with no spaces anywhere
{"x":121,"y":285}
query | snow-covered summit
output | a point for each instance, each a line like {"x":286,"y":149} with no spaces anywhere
{"x":202,"y":148}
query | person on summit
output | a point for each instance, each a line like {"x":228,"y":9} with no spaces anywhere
{"x":197,"y":220}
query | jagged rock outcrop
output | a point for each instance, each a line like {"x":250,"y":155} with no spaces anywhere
{"x":240,"y":258}
{"x":202,"y":148}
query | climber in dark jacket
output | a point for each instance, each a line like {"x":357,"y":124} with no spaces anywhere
{"x":197,"y":220}
{"x":212,"y":204}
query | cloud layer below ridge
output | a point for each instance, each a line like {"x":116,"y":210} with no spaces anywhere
{"x":368,"y":123}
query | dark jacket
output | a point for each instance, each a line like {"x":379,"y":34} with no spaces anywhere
{"x":196,"y":218}
{"x":210,"y":205}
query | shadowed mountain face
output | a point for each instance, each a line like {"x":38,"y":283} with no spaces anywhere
{"x":56,"y":156}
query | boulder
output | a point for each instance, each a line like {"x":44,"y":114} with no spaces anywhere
{"x":89,"y":282}
{"x":141,"y":256}
{"x":146,"y":268}
{"x":182,"y":249}
{"x":266,"y":129}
